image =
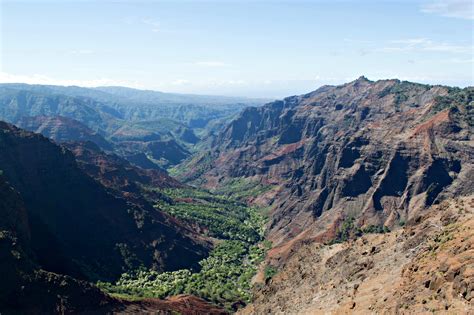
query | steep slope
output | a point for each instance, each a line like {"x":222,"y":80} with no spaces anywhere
{"x":79,"y":227}
{"x":370,"y":151}
{"x":426,"y":267}
{"x":129,"y":104}
{"x":120,"y":115}
{"x":195,"y":111}
{"x":24,"y":285}
{"x":27,"y":289}
{"x":62,"y":129}
{"x":19,"y":103}
{"x":118,"y":174}
{"x":163,"y":153}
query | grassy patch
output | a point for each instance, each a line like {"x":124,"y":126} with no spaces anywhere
{"x":191,"y":170}
{"x":349,"y":230}
{"x":242,"y":188}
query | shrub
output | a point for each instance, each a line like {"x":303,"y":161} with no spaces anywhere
{"x":225,"y":276}
{"x":269,"y":272}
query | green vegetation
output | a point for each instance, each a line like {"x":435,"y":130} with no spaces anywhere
{"x":199,"y":164}
{"x":461,"y":101}
{"x":224,"y":279}
{"x":241,"y":188}
{"x":455,"y":97}
{"x":225,"y":276}
{"x":375,"y":229}
{"x":224,"y":217}
{"x":440,"y":240}
{"x":349,"y":230}
{"x":269,"y":272}
{"x":402,"y":91}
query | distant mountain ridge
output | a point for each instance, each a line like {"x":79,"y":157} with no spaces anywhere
{"x":104,"y":93}
{"x":116,"y":114}
{"x":132,"y":104}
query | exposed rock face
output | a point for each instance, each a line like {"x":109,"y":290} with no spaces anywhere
{"x":375,"y":151}
{"x":124,"y":179}
{"x":425,"y":267}
{"x":27,"y":289}
{"x":62,"y":129}
{"x":164,"y":152}
{"x":24,"y":286}
{"x":115,"y":172}
{"x":80,"y":228}
{"x":180,"y":304}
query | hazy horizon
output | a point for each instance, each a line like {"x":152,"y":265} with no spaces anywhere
{"x":217,"y":95}
{"x":264,"y":49}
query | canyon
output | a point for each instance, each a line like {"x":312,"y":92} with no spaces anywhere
{"x":356,"y":198}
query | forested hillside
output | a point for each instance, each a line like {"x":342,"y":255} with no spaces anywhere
{"x":165,"y":127}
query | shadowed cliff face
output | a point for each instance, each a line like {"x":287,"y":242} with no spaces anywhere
{"x":61,"y":129}
{"x":115,"y":172}
{"x":373,"y":151}
{"x":24,"y":286}
{"x":80,"y":228}
{"x":28,"y":289}
{"x":120,"y":176}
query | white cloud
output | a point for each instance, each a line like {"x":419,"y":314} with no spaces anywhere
{"x":214,"y":64}
{"x":42,"y":79}
{"x":424,"y":44}
{"x":450,"y":8}
{"x":153,"y":23}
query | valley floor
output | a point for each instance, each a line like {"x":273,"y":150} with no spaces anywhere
{"x":225,"y":276}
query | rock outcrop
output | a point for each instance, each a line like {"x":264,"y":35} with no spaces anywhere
{"x":425,"y":267}
{"x":372,"y":151}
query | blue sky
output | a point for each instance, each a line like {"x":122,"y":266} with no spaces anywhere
{"x":248,"y":48}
